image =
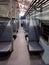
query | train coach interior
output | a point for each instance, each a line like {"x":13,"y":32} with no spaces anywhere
{"x":24,"y":32}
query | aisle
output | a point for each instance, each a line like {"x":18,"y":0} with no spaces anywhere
{"x":20,"y":55}
{"x":21,"y":49}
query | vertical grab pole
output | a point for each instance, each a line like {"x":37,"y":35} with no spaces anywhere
{"x":48,"y":39}
{"x":15,"y":13}
{"x":11,"y":22}
{"x":15,"y":10}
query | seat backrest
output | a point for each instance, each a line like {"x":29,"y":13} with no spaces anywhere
{"x":33,"y":36}
{"x":5,"y":31}
{"x":14,"y":26}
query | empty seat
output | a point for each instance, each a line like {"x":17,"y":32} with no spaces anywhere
{"x":35,"y":47}
{"x":26,"y":26}
{"x":15,"y":25}
{"x":5,"y":47}
{"x":5,"y":36}
{"x":33,"y":37}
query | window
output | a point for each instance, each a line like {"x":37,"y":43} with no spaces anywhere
{"x":45,"y":31}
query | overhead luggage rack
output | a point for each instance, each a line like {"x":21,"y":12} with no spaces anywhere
{"x":35,"y":5}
